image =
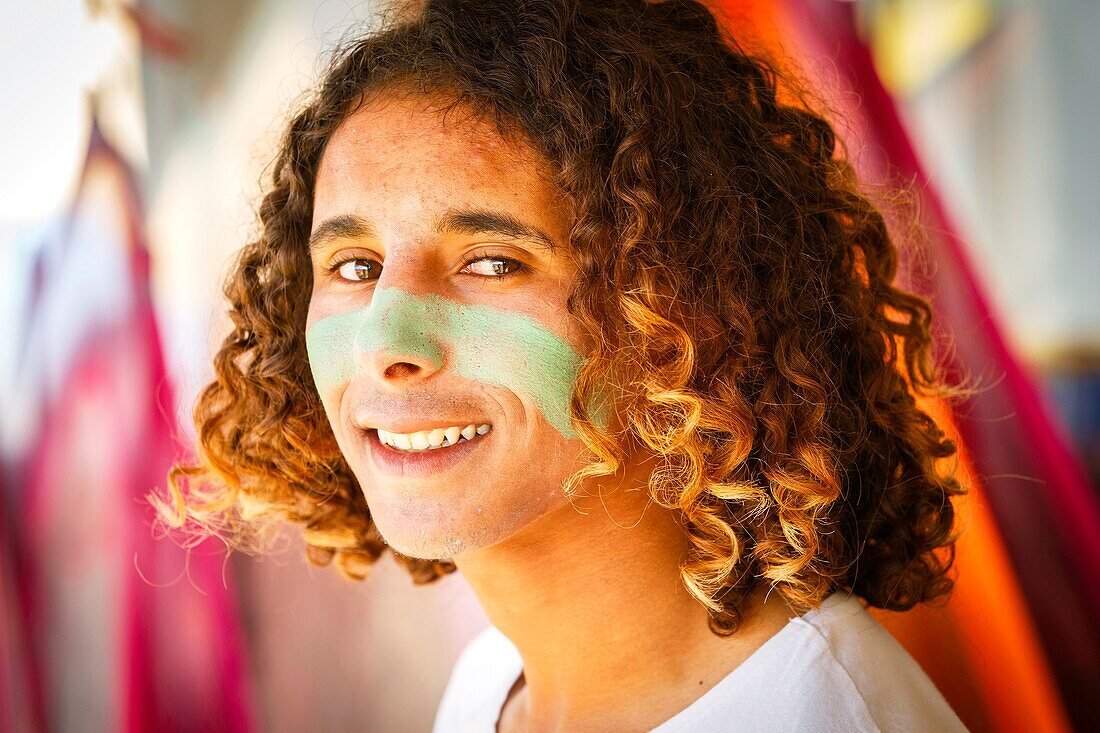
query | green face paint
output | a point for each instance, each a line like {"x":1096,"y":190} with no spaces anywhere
{"x":492,"y":345}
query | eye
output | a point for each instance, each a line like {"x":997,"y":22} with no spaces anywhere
{"x":357,"y":269}
{"x":498,"y":267}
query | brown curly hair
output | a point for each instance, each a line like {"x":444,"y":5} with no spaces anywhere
{"x":737,"y":283}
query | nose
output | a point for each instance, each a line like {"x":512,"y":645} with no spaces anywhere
{"x":401,"y":341}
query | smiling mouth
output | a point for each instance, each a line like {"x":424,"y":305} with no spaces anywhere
{"x":430,"y":440}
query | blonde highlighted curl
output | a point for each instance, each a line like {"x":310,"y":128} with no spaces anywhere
{"x":737,"y":283}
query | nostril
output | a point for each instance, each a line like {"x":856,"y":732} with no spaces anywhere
{"x":401,"y":369}
{"x":391,"y":363}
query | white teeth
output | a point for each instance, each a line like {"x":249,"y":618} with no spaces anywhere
{"x":432,"y":439}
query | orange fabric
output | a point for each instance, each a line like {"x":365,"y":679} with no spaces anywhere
{"x":980,"y":648}
{"x":986,"y":618}
{"x":758,"y":26}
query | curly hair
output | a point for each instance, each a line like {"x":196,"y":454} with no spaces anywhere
{"x":737,"y":282}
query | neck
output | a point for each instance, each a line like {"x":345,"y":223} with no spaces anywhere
{"x":594,"y":603}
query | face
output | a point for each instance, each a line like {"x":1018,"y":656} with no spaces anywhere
{"x":437,"y":323}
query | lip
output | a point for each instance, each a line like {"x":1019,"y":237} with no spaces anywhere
{"x":423,"y":463}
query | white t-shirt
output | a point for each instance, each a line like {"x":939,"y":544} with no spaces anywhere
{"x":835,"y":668}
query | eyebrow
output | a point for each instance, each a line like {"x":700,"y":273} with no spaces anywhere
{"x":455,"y":221}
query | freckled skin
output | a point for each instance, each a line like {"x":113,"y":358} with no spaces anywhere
{"x":502,"y":351}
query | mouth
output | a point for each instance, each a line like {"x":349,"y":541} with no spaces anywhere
{"x":432,"y":438}
{"x":425,"y":452}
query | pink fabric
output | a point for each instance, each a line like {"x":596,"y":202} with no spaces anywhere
{"x":1036,"y":487}
{"x":113,"y":618}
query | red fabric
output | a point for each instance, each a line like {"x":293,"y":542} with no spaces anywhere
{"x":20,"y":698}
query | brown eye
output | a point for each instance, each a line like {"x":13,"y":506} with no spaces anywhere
{"x":493,"y":266}
{"x":358,"y":269}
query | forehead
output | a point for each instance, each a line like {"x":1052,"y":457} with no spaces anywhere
{"x":402,"y":157}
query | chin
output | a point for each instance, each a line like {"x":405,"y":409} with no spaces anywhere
{"x":426,"y":529}
{"x":428,"y":545}
{"x":430,"y":530}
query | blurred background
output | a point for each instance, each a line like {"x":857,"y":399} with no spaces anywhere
{"x":134,"y":138}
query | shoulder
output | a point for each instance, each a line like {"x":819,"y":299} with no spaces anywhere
{"x":853,"y":647}
{"x":832,"y":669}
{"x":480,"y":679}
{"x":844,"y":669}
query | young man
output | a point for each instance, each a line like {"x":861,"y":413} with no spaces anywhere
{"x":557,"y":294}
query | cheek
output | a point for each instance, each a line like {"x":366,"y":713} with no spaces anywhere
{"x":329,"y":349}
{"x":519,"y":352}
